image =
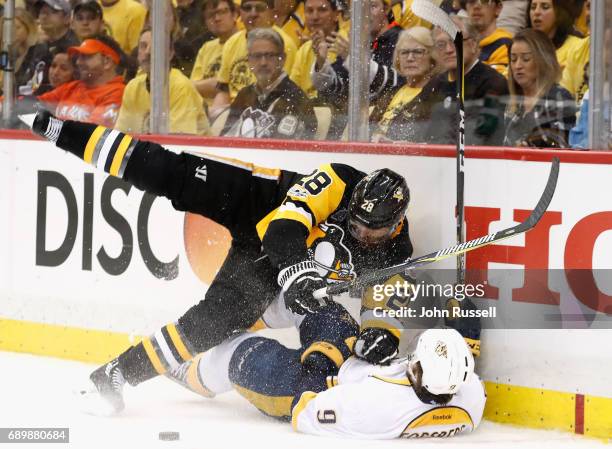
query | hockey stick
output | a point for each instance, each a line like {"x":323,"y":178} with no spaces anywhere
{"x":371,"y":277}
{"x":428,"y":11}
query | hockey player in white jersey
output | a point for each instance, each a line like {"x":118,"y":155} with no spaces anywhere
{"x":432,"y":393}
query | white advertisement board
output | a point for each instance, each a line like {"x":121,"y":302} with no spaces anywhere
{"x":87,"y":250}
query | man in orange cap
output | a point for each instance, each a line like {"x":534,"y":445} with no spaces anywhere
{"x":96,"y":96}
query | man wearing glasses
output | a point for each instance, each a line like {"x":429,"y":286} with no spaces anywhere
{"x":220,"y":17}
{"x":494,"y":41}
{"x":272,"y":106}
{"x":235,"y":73}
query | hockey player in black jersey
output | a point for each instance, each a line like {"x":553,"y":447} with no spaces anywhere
{"x":278,"y":221}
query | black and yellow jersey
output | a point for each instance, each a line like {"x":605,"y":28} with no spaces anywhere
{"x":314,"y":214}
{"x":295,"y":216}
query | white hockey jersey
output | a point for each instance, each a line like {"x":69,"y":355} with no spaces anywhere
{"x":377,"y":402}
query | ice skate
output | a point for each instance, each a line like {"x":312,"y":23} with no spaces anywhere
{"x":104,"y":397}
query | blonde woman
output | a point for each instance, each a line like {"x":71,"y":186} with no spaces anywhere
{"x":26,"y":37}
{"x":413,"y":59}
{"x":540,"y":112}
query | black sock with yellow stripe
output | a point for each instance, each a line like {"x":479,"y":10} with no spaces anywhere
{"x":104,"y":148}
{"x":163,"y":351}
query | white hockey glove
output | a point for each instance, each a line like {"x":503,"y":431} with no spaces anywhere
{"x":376,"y":346}
{"x":299,"y":282}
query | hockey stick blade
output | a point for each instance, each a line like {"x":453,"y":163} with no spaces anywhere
{"x":374,"y":276}
{"x":28,"y":119}
{"x":429,"y":11}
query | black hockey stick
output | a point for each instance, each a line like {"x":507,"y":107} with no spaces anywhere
{"x":432,"y":13}
{"x":372,"y":277}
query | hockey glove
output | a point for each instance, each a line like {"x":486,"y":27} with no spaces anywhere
{"x":46,"y":125}
{"x":377,"y":346}
{"x":299,"y":282}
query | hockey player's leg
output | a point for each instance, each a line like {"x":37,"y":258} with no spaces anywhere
{"x":268,"y":375}
{"x":327,"y":337}
{"x":207,"y":373}
{"x":234,"y":301}
{"x":233,"y":193}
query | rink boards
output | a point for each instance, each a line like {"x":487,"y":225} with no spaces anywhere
{"x":90,"y":264}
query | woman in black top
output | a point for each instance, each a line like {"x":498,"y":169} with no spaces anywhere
{"x":540,"y":112}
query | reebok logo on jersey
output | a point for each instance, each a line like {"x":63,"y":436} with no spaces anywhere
{"x":435,"y":417}
{"x":201,"y":173}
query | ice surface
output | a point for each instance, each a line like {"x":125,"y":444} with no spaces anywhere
{"x":37,"y":392}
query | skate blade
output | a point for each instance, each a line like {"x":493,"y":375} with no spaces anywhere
{"x":90,"y":402}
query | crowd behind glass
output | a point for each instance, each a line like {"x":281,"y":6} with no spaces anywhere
{"x":280,"y":69}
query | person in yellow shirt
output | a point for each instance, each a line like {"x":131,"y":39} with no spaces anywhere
{"x":322,"y":22}
{"x":234,"y":73}
{"x":220,"y":17}
{"x":414,"y":61}
{"x":290,"y":18}
{"x":186,"y":108}
{"x":126,"y":19}
{"x":494,"y":42}
{"x":555,"y":18}
{"x":575,"y":77}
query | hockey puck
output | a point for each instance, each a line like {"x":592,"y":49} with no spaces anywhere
{"x":168,"y":436}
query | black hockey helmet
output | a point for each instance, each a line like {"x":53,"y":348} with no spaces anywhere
{"x":379,"y":200}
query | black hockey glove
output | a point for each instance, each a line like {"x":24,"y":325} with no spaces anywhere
{"x":299,"y":282}
{"x":46,"y":125}
{"x":377,"y":346}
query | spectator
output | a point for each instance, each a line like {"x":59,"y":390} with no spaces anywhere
{"x":186,"y":108}
{"x":24,"y":45}
{"x":193,"y":33}
{"x":332,"y":80}
{"x":555,"y":18}
{"x":62,"y":70}
{"x":189,"y":13}
{"x":383,"y":32}
{"x":96,"y":96}
{"x":414,"y":60}
{"x":234,"y":73}
{"x":540,"y":112}
{"x":289,"y":16}
{"x":322,"y":23}
{"x":220,"y":17}
{"x":185,"y":47}
{"x":575,"y":76}
{"x":494,"y":41}
{"x":126,"y":19}
{"x":54,"y":19}
{"x":273,"y":106}
{"x":513,"y":15}
{"x":432,"y":116}
{"x":87,"y":19}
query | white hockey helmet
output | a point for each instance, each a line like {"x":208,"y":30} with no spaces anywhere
{"x":446,"y":360}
